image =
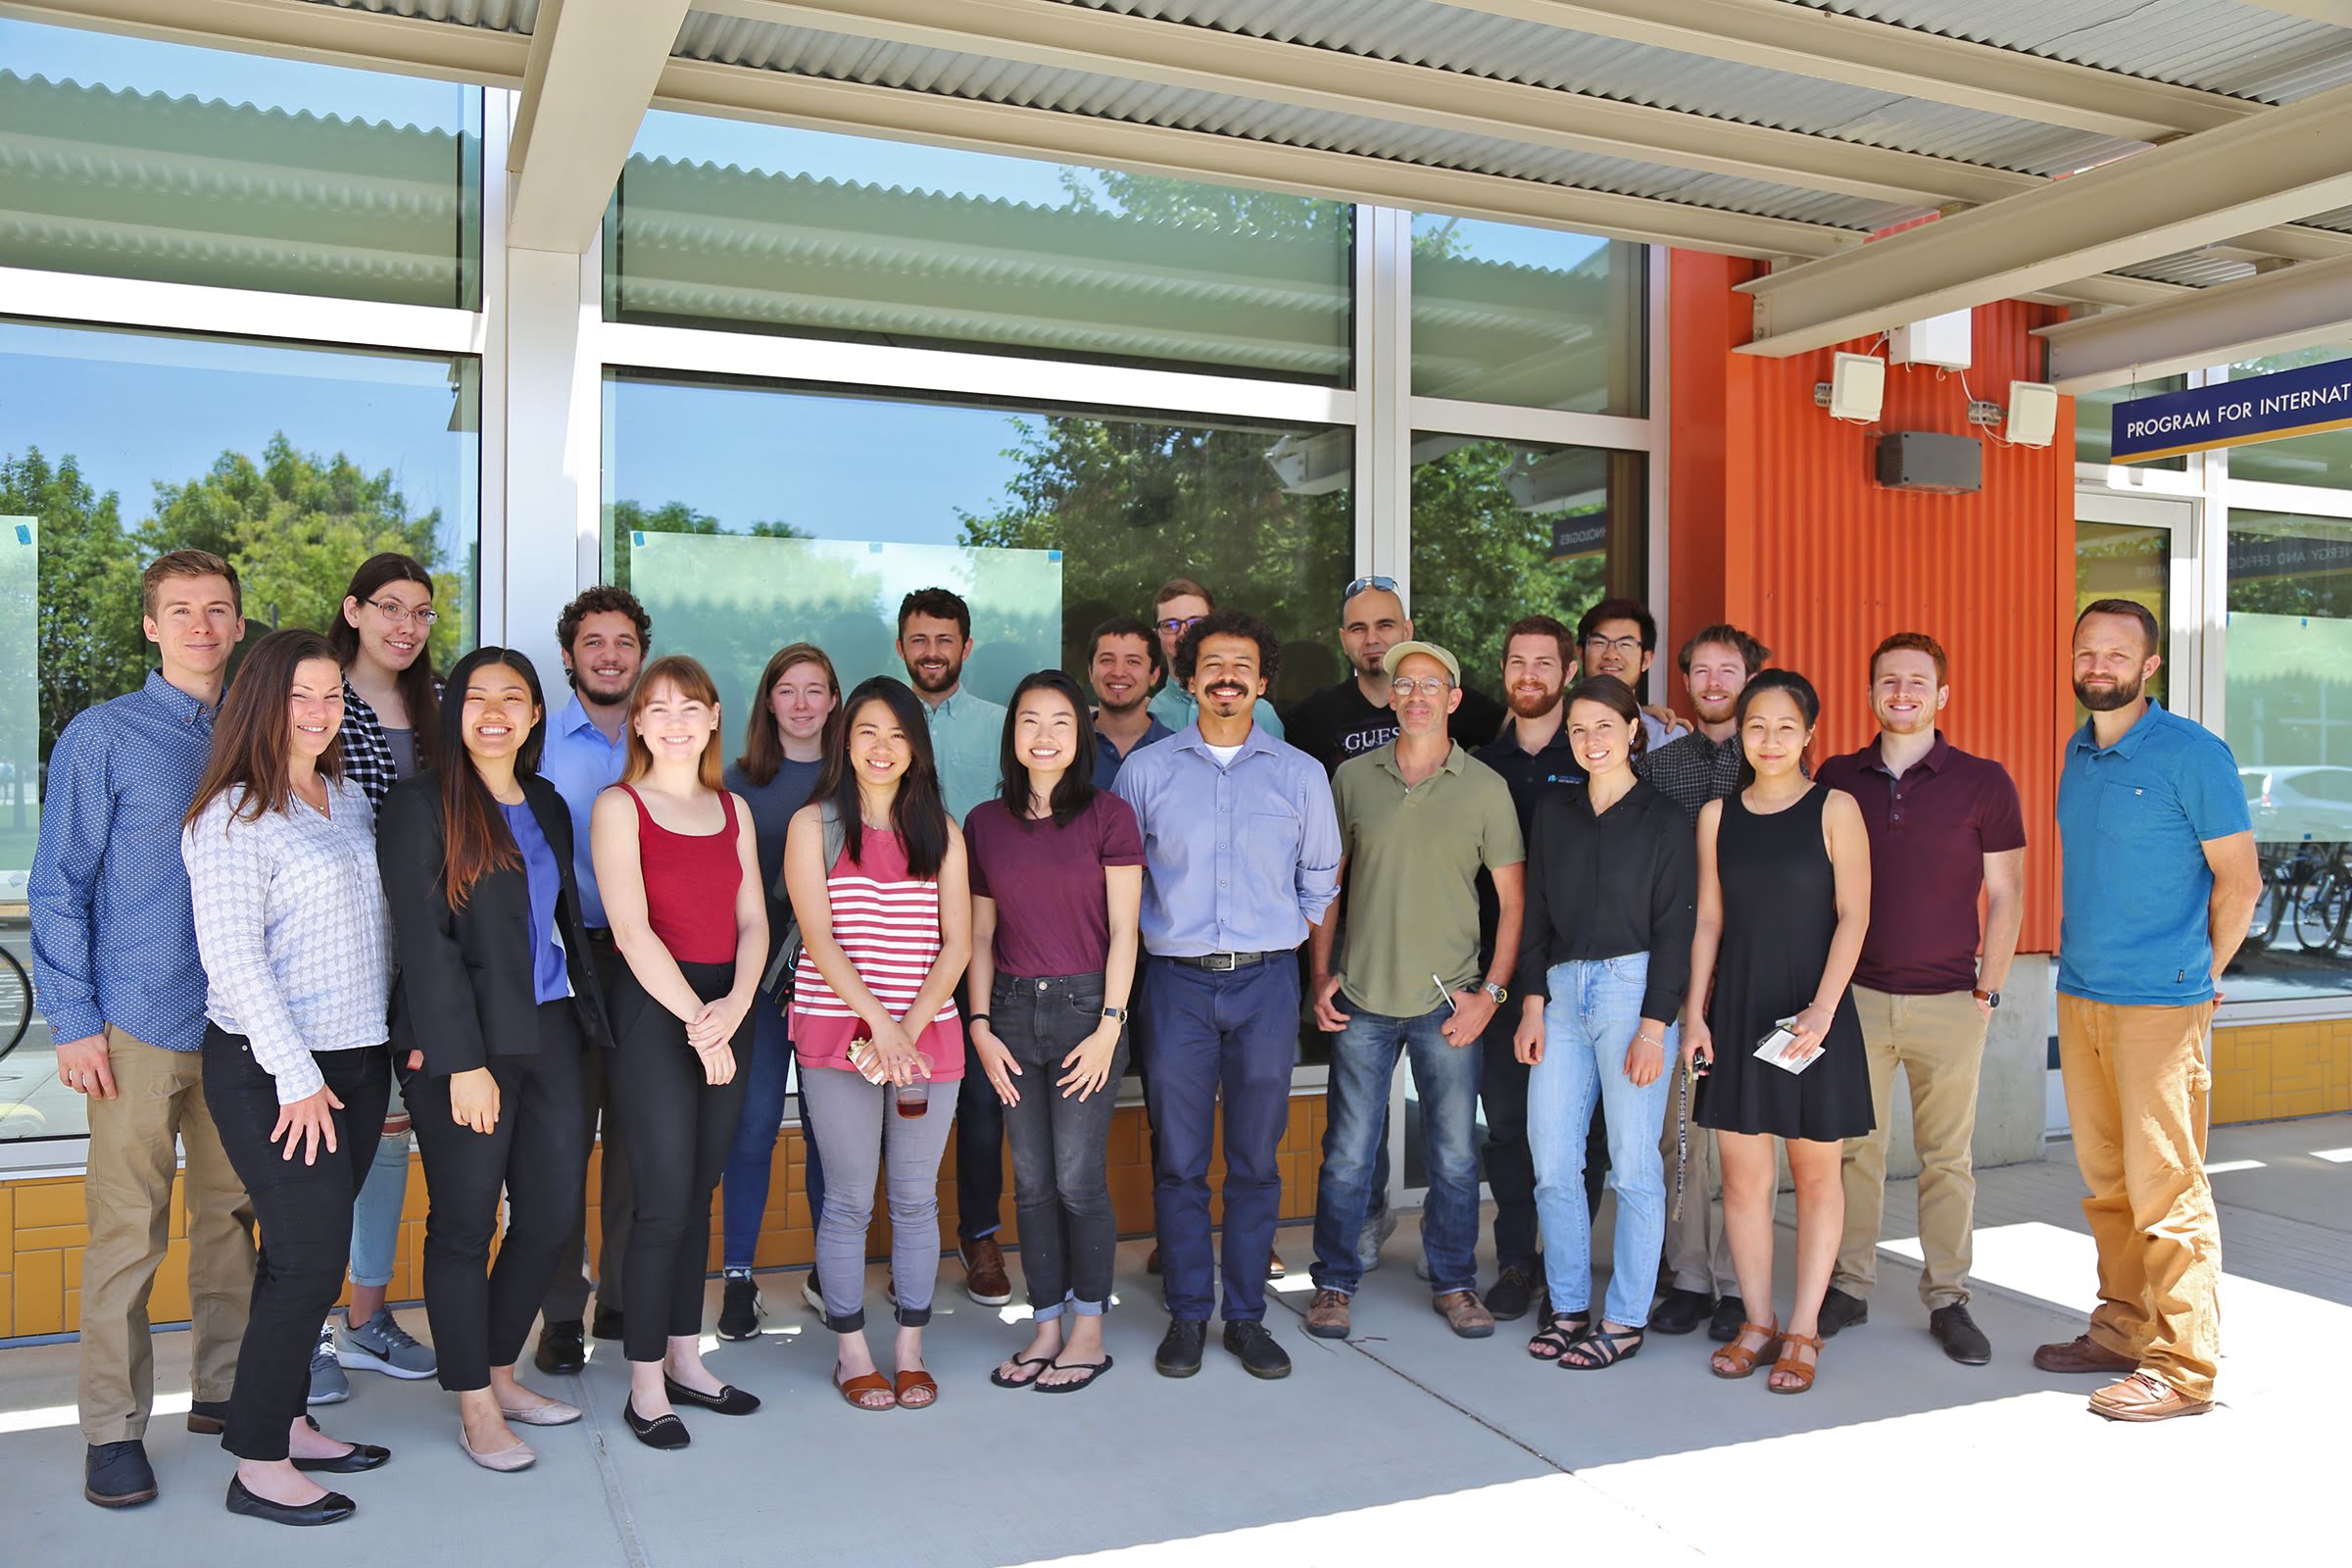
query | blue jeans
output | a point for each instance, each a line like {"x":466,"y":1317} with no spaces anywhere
{"x":1595,"y":1009}
{"x":1228,"y":1035}
{"x":375,"y":1213}
{"x":1363,"y":1061}
{"x":743,"y":1194}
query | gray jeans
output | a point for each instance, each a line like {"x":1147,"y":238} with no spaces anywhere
{"x":857,"y":1129}
{"x":1059,"y":1143}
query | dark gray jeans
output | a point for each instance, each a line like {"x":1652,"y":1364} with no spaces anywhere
{"x":1060,"y":1143}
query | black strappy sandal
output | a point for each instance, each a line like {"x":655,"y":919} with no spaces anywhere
{"x":1607,"y":1348}
{"x":1559,"y":1331}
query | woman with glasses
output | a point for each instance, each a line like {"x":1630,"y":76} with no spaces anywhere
{"x":391,"y":731}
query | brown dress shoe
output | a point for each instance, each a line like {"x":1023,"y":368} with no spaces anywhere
{"x":1327,"y":1315}
{"x":984,"y":1278}
{"x":2144,"y":1396}
{"x":2081,"y":1353}
{"x":1465,"y":1314}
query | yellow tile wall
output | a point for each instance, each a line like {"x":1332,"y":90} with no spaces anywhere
{"x":42,"y":1222}
{"x":2267,"y":1071}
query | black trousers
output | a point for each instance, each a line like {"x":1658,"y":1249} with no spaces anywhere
{"x":304,"y":1212}
{"x":979,"y":1143}
{"x":678,"y":1129}
{"x":567,"y":1291}
{"x":537,"y":1155}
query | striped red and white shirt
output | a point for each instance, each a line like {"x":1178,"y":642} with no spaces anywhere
{"x":887,"y":922}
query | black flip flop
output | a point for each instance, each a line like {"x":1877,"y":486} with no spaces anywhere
{"x":999,"y":1378}
{"x":1092,"y":1371}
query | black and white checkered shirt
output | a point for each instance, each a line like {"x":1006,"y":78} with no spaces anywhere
{"x":366,"y":753}
{"x":1691,"y":770}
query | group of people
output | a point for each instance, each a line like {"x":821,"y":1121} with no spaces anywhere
{"x":262,"y":912}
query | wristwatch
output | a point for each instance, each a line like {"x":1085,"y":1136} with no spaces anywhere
{"x":1118,"y":1014}
{"x":1990,"y":999}
{"x":1494,"y":993}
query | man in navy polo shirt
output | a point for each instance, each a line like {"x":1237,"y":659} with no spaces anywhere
{"x":2160,"y":883}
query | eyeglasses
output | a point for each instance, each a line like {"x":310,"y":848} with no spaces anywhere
{"x":1178,"y":625}
{"x":397,"y":613}
{"x":1362,"y":584}
{"x":1426,"y":686}
{"x":1629,"y":646}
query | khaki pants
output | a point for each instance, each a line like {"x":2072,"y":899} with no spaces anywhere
{"x":1939,"y":1042}
{"x":1698,"y":1256}
{"x":158,"y":1094}
{"x":2136,"y":1090}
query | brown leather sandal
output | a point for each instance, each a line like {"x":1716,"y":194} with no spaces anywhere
{"x":855,"y":1390}
{"x":1737,"y":1361}
{"x":1789,"y":1365}
{"x":915,"y":1390}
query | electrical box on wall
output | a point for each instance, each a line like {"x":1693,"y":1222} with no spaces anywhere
{"x":1942,"y":340}
{"x":1925,"y":462}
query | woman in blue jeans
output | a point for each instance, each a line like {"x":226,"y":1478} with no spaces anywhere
{"x":1604,"y":957}
{"x":783,"y":752}
{"x":1056,"y":960}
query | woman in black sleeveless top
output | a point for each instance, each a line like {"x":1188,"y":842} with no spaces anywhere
{"x":1784,"y":899}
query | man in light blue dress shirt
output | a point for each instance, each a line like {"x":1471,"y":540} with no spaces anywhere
{"x":1240,"y":856}
{"x":968,"y":738}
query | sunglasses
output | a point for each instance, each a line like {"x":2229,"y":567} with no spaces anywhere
{"x":1362,"y":584}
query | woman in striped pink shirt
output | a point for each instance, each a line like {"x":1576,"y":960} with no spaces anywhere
{"x":887,"y":930}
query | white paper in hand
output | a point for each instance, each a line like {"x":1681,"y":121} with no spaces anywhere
{"x":1780,"y":1048}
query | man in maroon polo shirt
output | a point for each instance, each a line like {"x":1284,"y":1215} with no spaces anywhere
{"x":1942,"y":824}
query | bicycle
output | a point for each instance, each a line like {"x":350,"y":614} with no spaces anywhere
{"x":15,"y":1003}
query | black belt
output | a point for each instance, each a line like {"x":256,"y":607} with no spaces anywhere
{"x":1220,"y":961}
{"x":601,"y":933}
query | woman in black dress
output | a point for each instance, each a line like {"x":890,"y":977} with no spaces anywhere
{"x":1784,"y":899}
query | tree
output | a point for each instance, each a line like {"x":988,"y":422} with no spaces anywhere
{"x":89,"y":643}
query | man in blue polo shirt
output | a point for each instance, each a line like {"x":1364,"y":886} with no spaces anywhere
{"x":2160,"y":883}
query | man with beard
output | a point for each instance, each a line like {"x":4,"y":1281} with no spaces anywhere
{"x":1691,"y":770}
{"x":1533,"y":758}
{"x":1618,"y":637}
{"x":1123,"y":664}
{"x":1942,"y":826}
{"x":1180,"y":603}
{"x":967,"y":737}
{"x":1353,"y":717}
{"x":1241,"y":857}
{"x":604,"y":635}
{"x":2159,"y":884}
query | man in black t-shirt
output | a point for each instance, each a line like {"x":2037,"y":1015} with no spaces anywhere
{"x":1352,"y":717}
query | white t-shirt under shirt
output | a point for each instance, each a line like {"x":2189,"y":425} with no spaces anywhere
{"x":1223,"y":754}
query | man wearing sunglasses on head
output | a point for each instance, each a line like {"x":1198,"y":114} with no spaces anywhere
{"x":1180,"y":603}
{"x":1354,"y":719}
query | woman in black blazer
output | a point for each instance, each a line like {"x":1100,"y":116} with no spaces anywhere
{"x":495,"y":1007}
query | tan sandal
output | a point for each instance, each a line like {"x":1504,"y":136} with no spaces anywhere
{"x":855,"y":1390}
{"x":917,"y":1390}
{"x":1737,"y":1361}
{"x":1788,"y":1364}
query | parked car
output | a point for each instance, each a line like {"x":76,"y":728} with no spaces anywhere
{"x":2307,"y":804}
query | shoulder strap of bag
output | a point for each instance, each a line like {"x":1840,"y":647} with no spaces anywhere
{"x":778,"y":980}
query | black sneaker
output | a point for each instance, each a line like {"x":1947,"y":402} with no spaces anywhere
{"x":562,"y":1348}
{"x":1180,"y":1348}
{"x":1511,"y":1295}
{"x":116,"y":1475}
{"x":1958,"y":1333}
{"x":1839,"y":1311}
{"x":739,"y":1308}
{"x":1724,"y":1327}
{"x":1253,"y":1343}
{"x":1679,"y":1310}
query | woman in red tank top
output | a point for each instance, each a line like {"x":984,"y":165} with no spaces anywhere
{"x":680,"y":871}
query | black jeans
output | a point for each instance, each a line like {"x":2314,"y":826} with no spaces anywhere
{"x":304,"y":1211}
{"x":567,"y":1291}
{"x":979,"y":1143}
{"x":1060,"y":1144}
{"x":537,"y":1151}
{"x":678,"y":1128}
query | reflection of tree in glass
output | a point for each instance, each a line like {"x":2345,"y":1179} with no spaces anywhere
{"x":625,"y":518}
{"x":89,"y":645}
{"x":1481,"y":563}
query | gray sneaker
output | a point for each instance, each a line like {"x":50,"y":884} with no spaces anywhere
{"x":1378,"y":1228}
{"x":381,"y":1344}
{"x":328,"y":1385}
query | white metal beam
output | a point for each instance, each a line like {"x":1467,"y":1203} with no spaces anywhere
{"x":297,"y":30}
{"x":593,"y":65}
{"x":2281,"y":165}
{"x":2291,"y":308}
{"x":2335,"y":12}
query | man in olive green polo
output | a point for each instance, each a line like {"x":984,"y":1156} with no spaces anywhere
{"x":1419,"y":817}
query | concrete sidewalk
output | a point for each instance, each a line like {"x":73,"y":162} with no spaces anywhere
{"x":1403,"y":1444}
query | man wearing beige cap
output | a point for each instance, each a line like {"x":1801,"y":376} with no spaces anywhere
{"x":1419,"y":818}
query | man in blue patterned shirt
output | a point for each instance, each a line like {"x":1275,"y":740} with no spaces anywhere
{"x":114,"y":957}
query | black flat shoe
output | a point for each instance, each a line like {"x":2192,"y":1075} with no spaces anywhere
{"x":562,"y":1348}
{"x":666,"y":1432}
{"x":334,"y":1509}
{"x":728,"y":1401}
{"x":363,"y":1456}
{"x":116,"y":1475}
{"x":207,"y":1417}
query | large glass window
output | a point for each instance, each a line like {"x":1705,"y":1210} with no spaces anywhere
{"x":1530,"y":317}
{"x":2290,"y":722}
{"x":138,"y":159}
{"x":295,"y":462}
{"x":2095,"y":421}
{"x":2126,"y":560}
{"x":2325,"y":459}
{"x":722,"y":223}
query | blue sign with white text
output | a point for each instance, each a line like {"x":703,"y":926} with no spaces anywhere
{"x":2262,"y":408}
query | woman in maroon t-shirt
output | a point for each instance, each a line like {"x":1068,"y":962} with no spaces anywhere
{"x":1057,"y":963}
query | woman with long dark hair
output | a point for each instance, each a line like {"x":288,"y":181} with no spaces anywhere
{"x":391,"y":731}
{"x":680,"y":871}
{"x":1783,"y":901}
{"x":291,"y":925}
{"x":877,"y":875}
{"x":496,"y":1005}
{"x":1054,"y":959}
{"x":1603,"y":960}
{"x":783,"y":752}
